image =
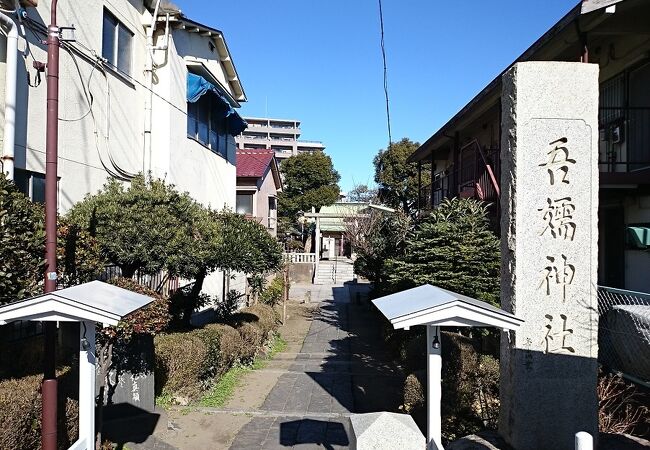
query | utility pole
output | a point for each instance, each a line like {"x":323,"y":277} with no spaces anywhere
{"x":49,"y":386}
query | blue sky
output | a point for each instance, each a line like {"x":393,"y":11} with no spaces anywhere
{"x":320,"y":62}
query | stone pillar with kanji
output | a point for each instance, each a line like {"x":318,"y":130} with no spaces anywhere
{"x":549,"y":243}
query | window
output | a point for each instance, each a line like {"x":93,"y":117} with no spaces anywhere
{"x":205,"y":125}
{"x":31,"y":184}
{"x":273,"y":204}
{"x":117,"y":42}
{"x":244,"y":204}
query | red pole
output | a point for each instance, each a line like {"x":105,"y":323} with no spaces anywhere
{"x":49,"y":386}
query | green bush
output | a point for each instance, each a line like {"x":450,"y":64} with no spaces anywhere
{"x":79,"y":256}
{"x":274,"y":292}
{"x":414,"y":392}
{"x":225,"y":348}
{"x":20,"y":411}
{"x":180,"y":364}
{"x":231,"y":345}
{"x":226,"y":308}
{"x":22,"y":244}
{"x":469,"y":382}
{"x":263,"y":316}
{"x":253,"y":339}
{"x":453,"y":248}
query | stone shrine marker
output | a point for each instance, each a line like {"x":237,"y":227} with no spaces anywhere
{"x":549,"y":243}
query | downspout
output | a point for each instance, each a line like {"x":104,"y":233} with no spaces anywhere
{"x":148,"y":74}
{"x":9,"y":133}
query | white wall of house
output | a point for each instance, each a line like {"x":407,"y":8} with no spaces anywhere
{"x":637,"y":262}
{"x":85,"y":145}
{"x":267,"y":188}
{"x":208,"y":177}
{"x":92,"y":146}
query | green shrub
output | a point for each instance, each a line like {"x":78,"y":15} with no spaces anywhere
{"x":180,"y":364}
{"x":79,"y":256}
{"x":262,"y":316}
{"x":253,"y":339}
{"x":414,"y":392}
{"x":226,"y":308}
{"x":182,"y":303}
{"x":452,"y":247}
{"x":231,"y":346}
{"x":224,"y":346}
{"x":466,"y":376}
{"x":274,"y":292}
{"x":20,"y":411}
{"x":22,"y":244}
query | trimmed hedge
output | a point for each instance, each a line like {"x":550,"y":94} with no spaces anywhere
{"x":180,"y":362}
{"x":260,"y":315}
{"x":188,"y":363}
{"x":20,"y":411}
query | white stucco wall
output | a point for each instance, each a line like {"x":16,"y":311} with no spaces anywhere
{"x":208,"y":177}
{"x":117,"y":103}
{"x":637,"y":262}
{"x":113,"y":135}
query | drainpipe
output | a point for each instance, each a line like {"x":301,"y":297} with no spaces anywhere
{"x":9,"y":134}
{"x":148,"y":75}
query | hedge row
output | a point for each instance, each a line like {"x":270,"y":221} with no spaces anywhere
{"x":20,"y":411}
{"x":188,"y":363}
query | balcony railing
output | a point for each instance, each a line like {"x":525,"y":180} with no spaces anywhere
{"x":471,"y":179}
{"x":624,"y":145}
{"x":300,"y":258}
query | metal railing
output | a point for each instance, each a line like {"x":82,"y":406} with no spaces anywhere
{"x":624,"y":332}
{"x":300,"y":258}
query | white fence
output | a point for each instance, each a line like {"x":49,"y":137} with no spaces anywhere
{"x":300,"y":258}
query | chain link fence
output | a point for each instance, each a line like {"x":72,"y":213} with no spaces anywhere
{"x":624,"y":332}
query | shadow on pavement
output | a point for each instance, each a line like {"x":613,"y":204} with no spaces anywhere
{"x":309,"y":431}
{"x":356,"y":358}
{"x":124,"y":423}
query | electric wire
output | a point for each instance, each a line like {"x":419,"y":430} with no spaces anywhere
{"x":383,"y":55}
{"x":97,"y":62}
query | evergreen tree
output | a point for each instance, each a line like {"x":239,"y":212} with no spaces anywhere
{"x":309,"y":180}
{"x":452,"y":248}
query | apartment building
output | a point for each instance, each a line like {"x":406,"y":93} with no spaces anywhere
{"x":142,"y":89}
{"x":280,"y":135}
{"x":463,"y":157}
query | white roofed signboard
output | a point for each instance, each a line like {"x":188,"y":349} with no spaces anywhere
{"x":431,"y":305}
{"x":94,"y":301}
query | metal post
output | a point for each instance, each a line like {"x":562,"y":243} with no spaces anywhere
{"x":432,"y":177}
{"x":49,"y":386}
{"x":317,"y":245}
{"x":420,"y":185}
{"x":434,"y":388}
{"x":87,"y":362}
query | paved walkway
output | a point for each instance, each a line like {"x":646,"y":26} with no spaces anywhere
{"x":339,"y":370}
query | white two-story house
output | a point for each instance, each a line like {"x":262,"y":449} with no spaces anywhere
{"x":142,"y":89}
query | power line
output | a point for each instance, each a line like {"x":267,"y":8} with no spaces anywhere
{"x":383,"y":55}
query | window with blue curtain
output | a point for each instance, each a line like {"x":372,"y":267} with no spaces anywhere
{"x":206,"y":125}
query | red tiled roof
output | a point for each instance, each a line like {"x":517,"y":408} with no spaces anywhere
{"x":253,"y":162}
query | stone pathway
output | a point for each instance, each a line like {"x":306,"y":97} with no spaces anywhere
{"x":339,"y":370}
